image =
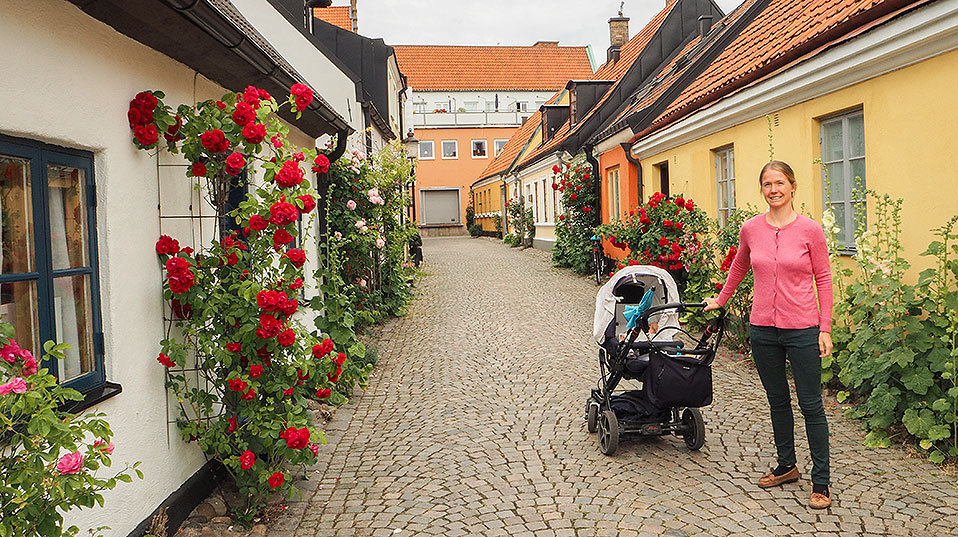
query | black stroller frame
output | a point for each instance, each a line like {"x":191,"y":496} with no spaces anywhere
{"x":615,"y":365}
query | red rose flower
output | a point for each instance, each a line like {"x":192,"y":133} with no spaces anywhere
{"x":269,"y":327}
{"x":281,"y":238}
{"x":248,"y":396}
{"x":282,"y":213}
{"x":134,"y":117}
{"x":270,"y":300}
{"x":255,"y":371}
{"x":289,"y":175}
{"x":214,"y":141}
{"x":244,"y":114}
{"x":237,"y":385}
{"x":333,"y":377}
{"x":276,"y":479}
{"x":173,"y":131}
{"x":257,"y":222}
{"x":232,"y":424}
{"x":254,"y":133}
{"x":165,"y":360}
{"x":247,"y":460}
{"x":680,"y":202}
{"x":340,"y":358}
{"x":302,"y":96}
{"x":288,"y":391}
{"x":147,"y":135}
{"x":198,"y":169}
{"x":167,"y":245}
{"x":295,"y":438}
{"x":308,"y":203}
{"x":286,"y":337}
{"x":679,"y":226}
{"x":667,"y":223}
{"x":323,"y":394}
{"x":232,"y":259}
{"x":234,"y":347}
{"x":573,"y":196}
{"x":296,"y":257}
{"x":235,"y":163}
{"x":251,"y":96}
{"x":221,"y":105}
{"x":321,"y":163}
{"x":690,"y":205}
{"x":587,"y":209}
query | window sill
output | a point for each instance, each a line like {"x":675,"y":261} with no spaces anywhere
{"x":93,"y":397}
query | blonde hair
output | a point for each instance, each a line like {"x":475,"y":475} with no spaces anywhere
{"x":779,"y":166}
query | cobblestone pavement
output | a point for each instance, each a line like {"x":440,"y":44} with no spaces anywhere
{"x":472,"y":425}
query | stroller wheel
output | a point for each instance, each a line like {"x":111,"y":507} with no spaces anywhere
{"x":608,"y":432}
{"x":592,"y":415}
{"x":694,"y":428}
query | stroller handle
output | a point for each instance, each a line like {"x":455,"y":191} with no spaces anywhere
{"x":677,"y":306}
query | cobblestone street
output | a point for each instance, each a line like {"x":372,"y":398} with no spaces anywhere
{"x":472,"y":425}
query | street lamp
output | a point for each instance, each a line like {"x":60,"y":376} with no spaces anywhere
{"x":412,"y":152}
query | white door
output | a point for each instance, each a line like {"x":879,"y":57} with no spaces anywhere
{"x":440,"y":206}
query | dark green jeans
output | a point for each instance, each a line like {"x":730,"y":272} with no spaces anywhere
{"x":771,"y":347}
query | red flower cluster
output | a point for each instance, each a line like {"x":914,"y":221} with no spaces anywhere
{"x":254,"y":133}
{"x":321,"y":164}
{"x":252,"y":96}
{"x":281,"y":237}
{"x":214,"y":141}
{"x":269,"y":326}
{"x":286,"y":337}
{"x":296,"y":257}
{"x":167,"y":245}
{"x":140,"y":116}
{"x":235,"y":163}
{"x":234,"y":347}
{"x":322,"y":349}
{"x":302,"y":96}
{"x":276,"y":301}
{"x":237,"y":385}
{"x":727,"y":263}
{"x":244,"y":113}
{"x":165,"y":360}
{"x":295,"y":438}
{"x":179,"y":274}
{"x":255,"y":371}
{"x":290,"y":175}
{"x":282,"y":213}
{"x":323,"y":393}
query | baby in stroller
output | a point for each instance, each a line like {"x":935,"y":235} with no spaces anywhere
{"x":637,"y":328}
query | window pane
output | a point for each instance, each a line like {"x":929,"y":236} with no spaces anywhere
{"x":16,"y":217}
{"x":68,"y":237}
{"x":722,"y":195}
{"x":839,"y":210}
{"x":836,"y":181}
{"x":856,"y":136}
{"x":18,"y":306}
{"x":832,"y":141}
{"x":74,"y":322}
{"x":449,"y":149}
{"x":479,"y":148}
{"x":425,"y":150}
{"x":858,"y":172}
{"x":731,"y":194}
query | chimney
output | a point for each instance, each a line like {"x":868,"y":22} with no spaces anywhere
{"x":618,"y":35}
{"x":353,"y":15}
{"x":705,"y":24}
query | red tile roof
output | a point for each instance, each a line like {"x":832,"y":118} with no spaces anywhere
{"x":782,"y":35}
{"x":543,"y":66}
{"x":338,"y":15}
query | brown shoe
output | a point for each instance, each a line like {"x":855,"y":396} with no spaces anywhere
{"x":819,"y":501}
{"x":772,"y":480}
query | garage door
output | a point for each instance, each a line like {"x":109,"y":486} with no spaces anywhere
{"x":440,"y":206}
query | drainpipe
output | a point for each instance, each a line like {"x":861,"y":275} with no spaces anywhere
{"x":596,"y":177}
{"x":322,"y":180}
{"x":627,"y":147}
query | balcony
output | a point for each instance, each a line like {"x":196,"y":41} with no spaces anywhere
{"x":468,"y":119}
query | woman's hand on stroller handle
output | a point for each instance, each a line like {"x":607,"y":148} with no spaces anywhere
{"x":711,"y":304}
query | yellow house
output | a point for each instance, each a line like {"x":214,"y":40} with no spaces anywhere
{"x":865,"y":89}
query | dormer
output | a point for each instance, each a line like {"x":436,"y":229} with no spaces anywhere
{"x":553,"y":116}
{"x":584,"y":95}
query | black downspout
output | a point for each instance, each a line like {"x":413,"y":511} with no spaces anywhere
{"x":596,"y":178}
{"x":638,"y":168}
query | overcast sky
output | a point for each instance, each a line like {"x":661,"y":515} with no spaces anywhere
{"x":503,"y":22}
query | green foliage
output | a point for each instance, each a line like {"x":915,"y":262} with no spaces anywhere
{"x":896,"y":345}
{"x":497,"y":222}
{"x":475,"y":230}
{"x":668,"y":232}
{"x":739,"y":306}
{"x":577,"y":222}
{"x":512,"y":240}
{"x":38,"y":440}
{"x":470,"y":213}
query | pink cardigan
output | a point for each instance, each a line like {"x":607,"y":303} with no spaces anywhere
{"x":784,"y":261}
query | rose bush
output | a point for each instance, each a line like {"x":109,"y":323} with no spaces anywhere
{"x":51,"y":459}
{"x":237,"y":300}
{"x":577,"y":222}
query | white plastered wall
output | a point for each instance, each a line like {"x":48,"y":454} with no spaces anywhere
{"x":72,"y":89}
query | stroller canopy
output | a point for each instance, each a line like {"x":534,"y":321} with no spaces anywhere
{"x":648,"y":277}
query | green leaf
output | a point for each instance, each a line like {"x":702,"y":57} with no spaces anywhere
{"x":937,"y":457}
{"x":877,"y":439}
{"x":918,"y":380}
{"x":842,"y":396}
{"x":941,"y":405}
{"x":918,"y":422}
{"x":926,"y":444}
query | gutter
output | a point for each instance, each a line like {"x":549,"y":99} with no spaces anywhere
{"x":596,"y":177}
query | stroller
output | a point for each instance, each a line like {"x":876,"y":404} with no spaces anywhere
{"x":637,"y":328}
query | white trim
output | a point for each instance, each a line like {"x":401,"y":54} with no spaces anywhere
{"x":925,"y":33}
{"x":621,"y":137}
{"x":419,"y":150}
{"x":494,"y":141}
{"x":442,"y":151}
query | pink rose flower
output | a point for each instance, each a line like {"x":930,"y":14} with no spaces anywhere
{"x":71,"y":463}
{"x":380,"y":242}
{"x":107,"y":446}
{"x":29,"y":362}
{"x":351,"y":205}
{"x":15,"y":385}
{"x":10,"y":352}
{"x":360,"y":224}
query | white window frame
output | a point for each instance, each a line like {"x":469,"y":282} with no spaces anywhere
{"x":522,"y":106}
{"x":455,"y":146}
{"x":432,"y":149}
{"x":485,"y":148}
{"x":499,"y":147}
{"x":725,"y":182}
{"x":849,"y":204}
{"x":615,"y":200}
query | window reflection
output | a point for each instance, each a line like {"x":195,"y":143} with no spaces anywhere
{"x":16,"y":217}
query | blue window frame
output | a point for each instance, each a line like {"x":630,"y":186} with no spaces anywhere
{"x":49,"y":282}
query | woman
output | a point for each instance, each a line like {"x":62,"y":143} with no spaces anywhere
{"x":786,"y":252}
